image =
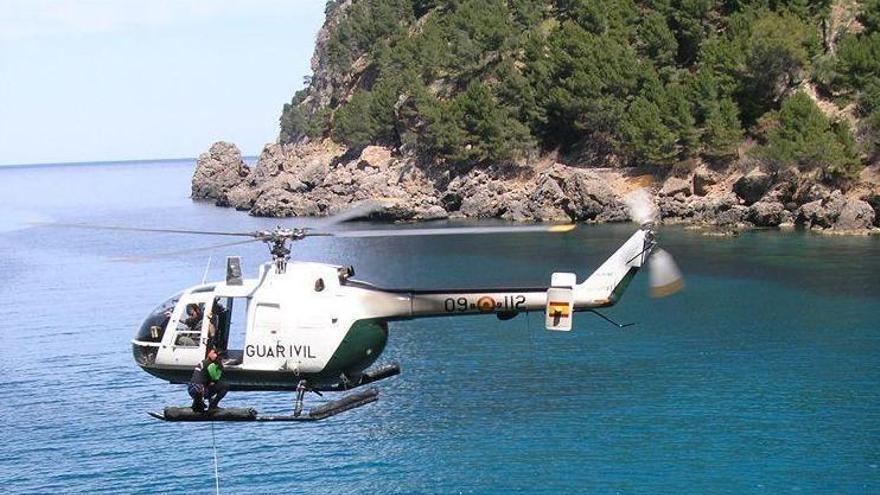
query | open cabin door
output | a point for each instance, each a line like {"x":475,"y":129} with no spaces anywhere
{"x":229,"y":316}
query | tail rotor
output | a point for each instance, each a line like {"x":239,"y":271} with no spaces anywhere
{"x":665,"y":277}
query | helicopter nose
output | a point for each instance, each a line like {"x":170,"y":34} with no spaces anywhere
{"x":146,"y":342}
{"x":144,"y":354}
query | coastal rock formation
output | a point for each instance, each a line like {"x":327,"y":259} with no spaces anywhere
{"x":675,"y":185}
{"x":814,"y":215}
{"x":766,"y":213}
{"x":874,"y":200}
{"x":321,"y":178}
{"x":855,"y":214}
{"x":415,"y":102}
{"x":752,"y":186}
{"x":219,"y":170}
{"x":837,"y":213}
{"x":703,"y":180}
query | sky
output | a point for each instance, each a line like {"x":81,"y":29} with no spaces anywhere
{"x":102,"y":80}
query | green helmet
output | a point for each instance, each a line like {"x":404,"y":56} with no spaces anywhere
{"x":214,"y":371}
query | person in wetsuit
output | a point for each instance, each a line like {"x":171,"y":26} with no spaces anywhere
{"x":206,"y":383}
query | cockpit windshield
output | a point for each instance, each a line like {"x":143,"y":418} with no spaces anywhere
{"x":154,"y":326}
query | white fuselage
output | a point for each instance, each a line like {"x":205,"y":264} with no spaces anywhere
{"x":310,"y":318}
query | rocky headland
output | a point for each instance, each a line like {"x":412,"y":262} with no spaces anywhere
{"x":316,"y":179}
{"x":751,"y":115}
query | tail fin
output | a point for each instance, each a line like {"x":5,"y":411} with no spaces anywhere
{"x":607,"y":284}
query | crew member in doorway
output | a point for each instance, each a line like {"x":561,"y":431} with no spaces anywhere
{"x":206,"y":383}
{"x":216,"y":320}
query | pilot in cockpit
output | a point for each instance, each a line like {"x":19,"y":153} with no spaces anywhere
{"x":193,"y":318}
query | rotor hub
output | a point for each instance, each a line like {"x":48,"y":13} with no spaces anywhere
{"x":277,"y":239}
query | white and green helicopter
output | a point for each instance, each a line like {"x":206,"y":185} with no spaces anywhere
{"x":313,"y":327}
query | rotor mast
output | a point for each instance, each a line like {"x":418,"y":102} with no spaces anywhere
{"x":277,"y":239}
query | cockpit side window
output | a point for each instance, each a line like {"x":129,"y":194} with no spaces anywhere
{"x":189,"y":328}
{"x":153,"y":328}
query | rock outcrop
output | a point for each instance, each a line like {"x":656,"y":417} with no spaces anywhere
{"x":752,"y":186}
{"x":321,"y":178}
{"x":675,"y":185}
{"x":703,"y":180}
{"x":873,"y":199}
{"x":219,"y":171}
{"x":855,"y":214}
{"x":837,"y":214}
{"x":767,"y":214}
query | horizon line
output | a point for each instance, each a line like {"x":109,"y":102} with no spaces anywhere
{"x":105,"y":162}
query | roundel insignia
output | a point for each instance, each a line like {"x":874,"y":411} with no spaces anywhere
{"x":486,"y":304}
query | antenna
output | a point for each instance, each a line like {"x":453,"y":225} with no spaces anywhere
{"x":207,"y":267}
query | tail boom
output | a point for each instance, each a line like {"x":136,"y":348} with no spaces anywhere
{"x":602,"y":288}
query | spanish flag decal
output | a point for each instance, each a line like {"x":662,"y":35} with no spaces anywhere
{"x":562,"y":308}
{"x":486,"y":304}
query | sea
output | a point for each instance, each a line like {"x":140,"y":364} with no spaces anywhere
{"x":761,"y":376}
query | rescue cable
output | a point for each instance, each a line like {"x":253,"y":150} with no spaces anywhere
{"x":216,"y":470}
{"x":213,"y":438}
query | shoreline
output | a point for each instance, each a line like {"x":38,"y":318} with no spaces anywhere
{"x":318,"y":179}
{"x":707,"y":230}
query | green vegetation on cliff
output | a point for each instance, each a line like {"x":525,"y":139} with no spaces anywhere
{"x":654,"y":81}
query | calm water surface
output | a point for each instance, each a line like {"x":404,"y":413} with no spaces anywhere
{"x":762,"y":377}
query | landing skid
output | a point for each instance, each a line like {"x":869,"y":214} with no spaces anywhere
{"x":380,"y":373}
{"x":240,"y":414}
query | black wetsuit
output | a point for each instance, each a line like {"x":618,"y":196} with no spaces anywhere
{"x":201,"y":386}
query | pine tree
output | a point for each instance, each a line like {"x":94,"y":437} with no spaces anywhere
{"x":723,"y":133}
{"x":644,"y":133}
{"x":799,"y":134}
{"x":353,"y":125}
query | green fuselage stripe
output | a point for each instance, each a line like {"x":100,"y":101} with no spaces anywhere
{"x":359,"y":349}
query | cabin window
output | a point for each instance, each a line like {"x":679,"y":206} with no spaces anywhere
{"x":267,"y":319}
{"x":189,"y":328}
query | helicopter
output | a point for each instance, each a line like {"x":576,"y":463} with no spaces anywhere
{"x":314,"y":327}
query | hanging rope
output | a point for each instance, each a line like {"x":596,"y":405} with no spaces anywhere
{"x":216,"y":468}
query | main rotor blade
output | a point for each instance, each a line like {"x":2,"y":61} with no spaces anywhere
{"x":139,"y":229}
{"x":184,"y":251}
{"x":450,"y":231}
{"x":358,"y":210}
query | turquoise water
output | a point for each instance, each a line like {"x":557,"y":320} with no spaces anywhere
{"x":762,"y":377}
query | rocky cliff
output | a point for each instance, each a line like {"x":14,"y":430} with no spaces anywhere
{"x":321,"y":178}
{"x":734,"y":114}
